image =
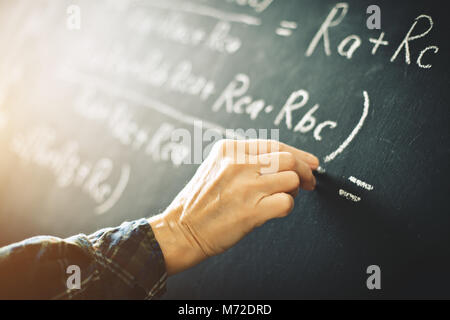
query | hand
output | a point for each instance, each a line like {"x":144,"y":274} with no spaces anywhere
{"x":241,"y":185}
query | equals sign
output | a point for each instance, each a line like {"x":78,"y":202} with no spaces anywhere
{"x":286,"y":27}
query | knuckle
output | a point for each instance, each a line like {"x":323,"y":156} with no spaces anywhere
{"x":286,"y":204}
{"x":274,"y":145}
{"x":267,"y":145}
{"x":290,"y":160}
{"x":310,"y":177}
{"x":294,"y":179}
{"x":307,"y":179}
{"x":254,"y":185}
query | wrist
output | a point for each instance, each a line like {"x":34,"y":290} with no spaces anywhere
{"x":178,"y":250}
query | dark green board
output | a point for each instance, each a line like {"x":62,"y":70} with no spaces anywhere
{"x":86,"y":117}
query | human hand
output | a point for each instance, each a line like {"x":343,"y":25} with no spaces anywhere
{"x":240,"y":185}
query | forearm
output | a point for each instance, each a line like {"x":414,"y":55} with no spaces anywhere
{"x":115,"y":263}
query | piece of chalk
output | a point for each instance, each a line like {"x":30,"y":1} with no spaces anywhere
{"x":320,"y":170}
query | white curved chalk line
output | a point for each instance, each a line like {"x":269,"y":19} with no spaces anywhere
{"x":355,"y":131}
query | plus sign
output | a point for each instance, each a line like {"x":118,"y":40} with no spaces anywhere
{"x":378,"y":42}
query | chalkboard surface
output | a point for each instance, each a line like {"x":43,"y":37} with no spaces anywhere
{"x":87,"y":108}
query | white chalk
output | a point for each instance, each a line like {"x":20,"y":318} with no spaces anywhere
{"x":355,"y":131}
{"x":288,"y":24}
{"x":361,"y":183}
{"x":349,"y":196}
{"x":283,"y":32}
{"x":286,"y":28}
{"x":320,"y":170}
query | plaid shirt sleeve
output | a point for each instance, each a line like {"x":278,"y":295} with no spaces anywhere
{"x":125,"y":262}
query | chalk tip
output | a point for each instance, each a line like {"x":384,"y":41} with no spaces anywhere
{"x":320,"y":170}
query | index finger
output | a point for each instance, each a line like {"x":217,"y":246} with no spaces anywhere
{"x":259,"y":146}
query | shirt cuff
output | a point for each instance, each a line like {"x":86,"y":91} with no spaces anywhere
{"x":133,"y":254}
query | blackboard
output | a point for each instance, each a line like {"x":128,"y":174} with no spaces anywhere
{"x":87,"y":107}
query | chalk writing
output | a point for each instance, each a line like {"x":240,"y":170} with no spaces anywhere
{"x":257,"y":5}
{"x":206,"y":11}
{"x":216,"y":34}
{"x":286,"y":28}
{"x":174,"y":28}
{"x":405,"y":42}
{"x":361,"y":183}
{"x":351,"y":43}
{"x":121,"y":125}
{"x":38,"y":147}
{"x":349,"y":196}
{"x":73,"y":76}
{"x":154,"y":70}
{"x":234,"y":99}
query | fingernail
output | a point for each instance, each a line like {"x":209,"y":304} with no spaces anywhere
{"x":314,"y":161}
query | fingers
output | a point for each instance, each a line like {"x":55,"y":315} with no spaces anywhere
{"x":307,"y":157}
{"x":285,"y":181}
{"x":276,"y":162}
{"x":285,"y":161}
{"x":307,"y":179}
{"x":275,"y":206}
{"x":304,"y":156}
{"x":294,"y":193}
{"x":268,"y":161}
{"x":270,"y":146}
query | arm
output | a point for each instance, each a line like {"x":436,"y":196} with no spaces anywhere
{"x":240,"y":186}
